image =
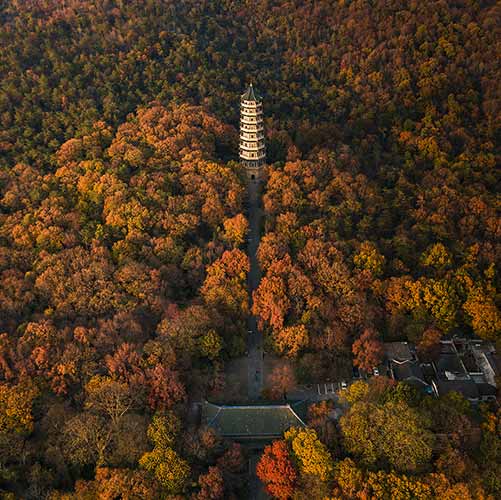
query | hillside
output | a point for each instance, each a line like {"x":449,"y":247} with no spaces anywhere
{"x":123,"y":225}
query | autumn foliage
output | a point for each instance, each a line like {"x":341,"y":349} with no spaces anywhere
{"x":127,"y":225}
{"x":367,"y":351}
{"x":123,"y":277}
{"x":276,"y":470}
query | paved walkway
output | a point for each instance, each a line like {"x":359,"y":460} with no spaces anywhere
{"x":256,"y":489}
{"x":254,"y":338}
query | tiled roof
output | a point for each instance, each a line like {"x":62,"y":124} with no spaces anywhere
{"x":407,"y":370}
{"x":467,"y":388}
{"x":494,"y":361}
{"x":398,"y":351}
{"x":258,"y":421}
{"x":486,"y":389}
{"x":450,"y":363}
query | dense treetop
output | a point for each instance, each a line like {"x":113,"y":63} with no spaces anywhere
{"x":122,"y":224}
{"x":115,"y":304}
{"x":383,"y":77}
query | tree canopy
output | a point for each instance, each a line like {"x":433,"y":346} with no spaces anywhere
{"x":123,"y":226}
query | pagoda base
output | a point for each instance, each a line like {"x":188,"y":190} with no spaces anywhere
{"x":253,"y":169}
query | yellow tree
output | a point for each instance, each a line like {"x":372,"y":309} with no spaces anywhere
{"x":170,"y":470}
{"x":441,"y":299}
{"x":312,"y":456}
{"x":235,"y":230}
{"x":483,"y":313}
{"x":436,"y":256}
{"x":225,"y":285}
{"x":397,"y":487}
{"x":16,"y":408}
{"x":349,"y":478}
{"x":291,"y":339}
{"x":211,"y":344}
{"x":358,"y":391}
{"x":394,"y":433}
{"x":368,"y":257}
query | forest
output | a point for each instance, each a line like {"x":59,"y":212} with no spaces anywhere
{"x":123,"y":221}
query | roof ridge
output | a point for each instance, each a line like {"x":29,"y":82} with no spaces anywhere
{"x":218,"y":411}
{"x":296,"y":415}
{"x":259,"y":407}
{"x":402,"y":362}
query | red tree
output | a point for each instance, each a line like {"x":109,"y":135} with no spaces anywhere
{"x":281,"y":381}
{"x":428,"y":347}
{"x":211,"y":484}
{"x":368,"y":350}
{"x":164,"y":387}
{"x":232,"y":460}
{"x":276,"y":471}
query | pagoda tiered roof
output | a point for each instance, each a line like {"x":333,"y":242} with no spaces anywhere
{"x":250,"y":94}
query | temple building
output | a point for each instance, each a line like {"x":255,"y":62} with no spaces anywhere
{"x":258,"y":422}
{"x":252,"y":149}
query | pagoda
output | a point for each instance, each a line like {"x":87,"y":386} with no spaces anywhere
{"x":252,"y":149}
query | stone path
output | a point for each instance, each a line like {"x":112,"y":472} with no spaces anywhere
{"x":254,"y":337}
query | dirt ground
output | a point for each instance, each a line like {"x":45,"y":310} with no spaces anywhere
{"x":236,"y":377}
{"x":270,"y":363}
{"x":235,"y":390}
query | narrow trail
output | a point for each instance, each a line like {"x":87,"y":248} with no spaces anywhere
{"x":254,"y":337}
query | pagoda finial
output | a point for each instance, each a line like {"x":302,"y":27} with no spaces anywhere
{"x":249,"y":94}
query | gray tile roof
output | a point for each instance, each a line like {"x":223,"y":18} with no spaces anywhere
{"x":486,"y":390}
{"x":467,"y":388}
{"x":450,"y":363}
{"x":399,"y":351}
{"x":407,"y":370}
{"x":253,"y":420}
